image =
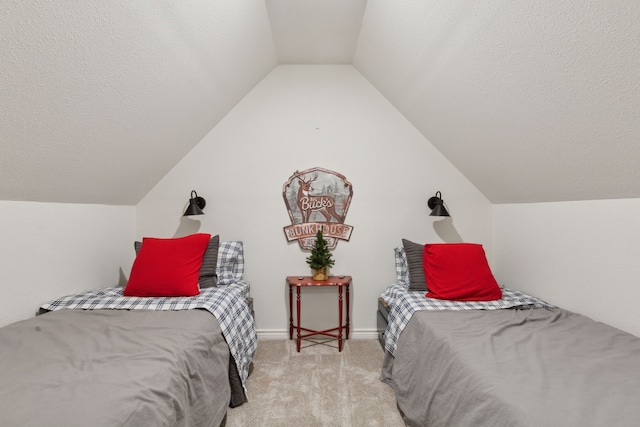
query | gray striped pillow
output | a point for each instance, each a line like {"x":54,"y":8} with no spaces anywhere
{"x":417,"y":281}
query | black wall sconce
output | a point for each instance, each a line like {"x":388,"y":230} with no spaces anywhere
{"x":436,"y":204}
{"x":196,"y":204}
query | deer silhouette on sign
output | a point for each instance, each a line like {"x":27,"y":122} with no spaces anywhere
{"x":307,"y":204}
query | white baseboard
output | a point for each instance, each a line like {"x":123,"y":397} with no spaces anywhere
{"x":283,"y":334}
{"x":273,"y":334}
{"x":364,"y":334}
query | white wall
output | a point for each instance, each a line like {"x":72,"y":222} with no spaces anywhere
{"x":300,"y":117}
{"x":53,"y":249}
{"x":582,"y":256}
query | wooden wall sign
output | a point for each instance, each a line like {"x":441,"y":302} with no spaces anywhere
{"x":317,"y":199}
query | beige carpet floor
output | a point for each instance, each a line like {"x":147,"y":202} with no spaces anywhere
{"x":317,"y":387}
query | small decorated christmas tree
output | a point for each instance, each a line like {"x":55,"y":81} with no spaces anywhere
{"x":320,"y":258}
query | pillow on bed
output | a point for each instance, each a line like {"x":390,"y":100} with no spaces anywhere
{"x":402,"y":274}
{"x":167,"y":267}
{"x":208,"y":277}
{"x":414,"y":251}
{"x":460,"y":272}
{"x":230,"y":262}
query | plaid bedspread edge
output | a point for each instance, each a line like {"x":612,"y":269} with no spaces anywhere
{"x":404,"y":303}
{"x":227,"y":304}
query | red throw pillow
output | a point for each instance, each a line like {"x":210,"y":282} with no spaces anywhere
{"x":460,"y":272}
{"x":167,"y":267}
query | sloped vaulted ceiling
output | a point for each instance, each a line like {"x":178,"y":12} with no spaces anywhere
{"x":100,"y":99}
{"x":532,"y":101}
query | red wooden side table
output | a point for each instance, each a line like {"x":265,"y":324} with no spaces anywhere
{"x":301,"y":281}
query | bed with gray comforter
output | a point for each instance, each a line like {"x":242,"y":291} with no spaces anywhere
{"x":107,"y":368}
{"x":514,"y":367}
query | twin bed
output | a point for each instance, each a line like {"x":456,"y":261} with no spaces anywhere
{"x":104,"y":358}
{"x":514,"y":361}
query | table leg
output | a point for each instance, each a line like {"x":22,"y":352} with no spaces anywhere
{"x":339,"y":318}
{"x":290,"y":312}
{"x":298,"y":317}
{"x":347,"y":311}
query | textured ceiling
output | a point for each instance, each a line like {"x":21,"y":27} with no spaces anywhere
{"x":100,"y":99}
{"x":315,"y":32}
{"x":531,"y":101}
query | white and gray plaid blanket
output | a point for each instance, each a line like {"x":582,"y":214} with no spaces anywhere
{"x":227,"y":303}
{"x":403,"y":303}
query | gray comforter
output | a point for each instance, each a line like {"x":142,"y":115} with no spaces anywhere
{"x":535,"y":367}
{"x":108,"y":368}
